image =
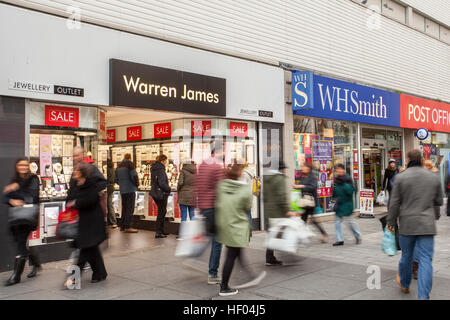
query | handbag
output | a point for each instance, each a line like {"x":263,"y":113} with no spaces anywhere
{"x":27,"y":214}
{"x":67,"y":227}
{"x":156,"y":192}
{"x":307,"y":201}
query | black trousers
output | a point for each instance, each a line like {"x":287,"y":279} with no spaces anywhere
{"x":309,"y":212}
{"x":233,"y":253}
{"x":162,"y":210}
{"x":111,"y":217}
{"x":20,"y":235}
{"x":128,"y":202}
{"x":95,"y":259}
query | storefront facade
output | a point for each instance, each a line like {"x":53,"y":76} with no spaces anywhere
{"x":130,"y":94}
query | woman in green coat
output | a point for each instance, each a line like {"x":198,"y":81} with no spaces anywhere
{"x":343,"y":191}
{"x":233,"y":201}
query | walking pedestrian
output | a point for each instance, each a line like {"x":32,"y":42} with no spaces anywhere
{"x":248,"y":176}
{"x":160,"y":181}
{"x":275,"y":202}
{"x":417,"y":191}
{"x":447,"y":188}
{"x":186,"y":190}
{"x":389,"y":175}
{"x":111,"y":174}
{"x":91,"y":225}
{"x":308,"y":185}
{"x":23,"y":189}
{"x":343,"y":191}
{"x":234,"y":200}
{"x":128,"y":181}
{"x":210,"y":173}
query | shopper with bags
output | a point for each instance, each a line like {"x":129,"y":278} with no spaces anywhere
{"x":343,"y":191}
{"x":210,"y":173}
{"x":127,"y":179}
{"x":276,"y":203}
{"x":160,"y":192}
{"x":233,"y":201}
{"x":186,"y":190}
{"x":91,"y":224}
{"x":308,"y":185}
{"x":23,"y":190}
{"x":417,"y":191}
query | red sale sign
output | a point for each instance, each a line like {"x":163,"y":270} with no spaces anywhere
{"x":238,"y":129}
{"x":62,"y":116}
{"x":134,"y":133}
{"x":416,"y":113}
{"x":111,"y":136}
{"x":163,"y":130}
{"x":201,"y":128}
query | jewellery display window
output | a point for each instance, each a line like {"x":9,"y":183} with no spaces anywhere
{"x":118,"y":153}
{"x":52,"y":161}
{"x":102,"y":161}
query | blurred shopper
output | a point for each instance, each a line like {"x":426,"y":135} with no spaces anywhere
{"x":343,"y":191}
{"x":417,"y":191}
{"x":308,"y":185}
{"x":161,"y":193}
{"x":91,"y":226}
{"x":210,"y":173}
{"x":127,"y":179}
{"x":447,"y":188}
{"x":248,"y":176}
{"x":234,"y":200}
{"x":276,"y":203}
{"x":23,"y":189}
{"x":389,"y":175}
{"x":111,"y":174}
{"x":186,"y":190}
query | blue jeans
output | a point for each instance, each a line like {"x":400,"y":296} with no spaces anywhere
{"x":423,"y":248}
{"x":351,"y":223}
{"x":216,"y":247}
{"x":184,"y":210}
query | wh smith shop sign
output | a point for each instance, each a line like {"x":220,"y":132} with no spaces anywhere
{"x":322,"y":97}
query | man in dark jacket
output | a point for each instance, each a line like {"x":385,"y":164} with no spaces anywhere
{"x":160,"y":181}
{"x":389,"y":174}
{"x":417,"y":191}
{"x":128,"y":181}
{"x":110,"y":173}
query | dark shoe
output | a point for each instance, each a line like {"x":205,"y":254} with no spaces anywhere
{"x":160,"y":236}
{"x":98,"y":280}
{"x":19,"y":265}
{"x":227,"y":291}
{"x":214,"y":279}
{"x":274,"y":262}
{"x":34,"y":271}
{"x":358,"y":241}
{"x":166,"y":234}
{"x":339,"y":243}
{"x":415,"y":267}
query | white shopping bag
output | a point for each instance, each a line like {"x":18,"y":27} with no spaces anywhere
{"x":381,"y":199}
{"x":284,"y":234}
{"x":193,"y":238}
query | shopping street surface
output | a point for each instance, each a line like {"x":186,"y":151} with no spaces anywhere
{"x":142,"y":268}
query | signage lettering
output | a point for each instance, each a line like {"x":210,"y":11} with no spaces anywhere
{"x":134,"y":133}
{"x":138,"y":85}
{"x":30,"y":86}
{"x":302,"y":93}
{"x":163,"y":130}
{"x":111,"y":136}
{"x":201,"y":128}
{"x":62,"y":116}
{"x":68,"y":91}
{"x":238,"y":129}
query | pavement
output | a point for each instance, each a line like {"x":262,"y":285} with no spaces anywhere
{"x":144,"y":268}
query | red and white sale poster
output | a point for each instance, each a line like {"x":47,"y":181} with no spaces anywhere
{"x":62,"y":116}
{"x":134,"y":133}
{"x":355,"y":165}
{"x":163,"y":130}
{"x":200,"y":128}
{"x":238,"y":129}
{"x":111,"y":136}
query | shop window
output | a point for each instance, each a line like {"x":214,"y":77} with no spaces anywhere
{"x":437,"y":149}
{"x":312,"y":137}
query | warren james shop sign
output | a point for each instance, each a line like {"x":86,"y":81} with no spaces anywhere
{"x":341,"y":100}
{"x":144,"y":86}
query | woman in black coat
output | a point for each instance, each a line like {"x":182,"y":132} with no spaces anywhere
{"x":159,"y":180}
{"x":308,"y":185}
{"x":23,"y":189}
{"x":91,"y":220}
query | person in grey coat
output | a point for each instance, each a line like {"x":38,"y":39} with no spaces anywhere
{"x":415,"y":194}
{"x":186,"y":192}
{"x":128,"y":181}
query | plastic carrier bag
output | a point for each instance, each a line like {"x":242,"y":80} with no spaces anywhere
{"x":193,"y":238}
{"x":388,"y":245}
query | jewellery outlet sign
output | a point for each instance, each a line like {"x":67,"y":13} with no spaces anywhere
{"x":144,"y":86}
